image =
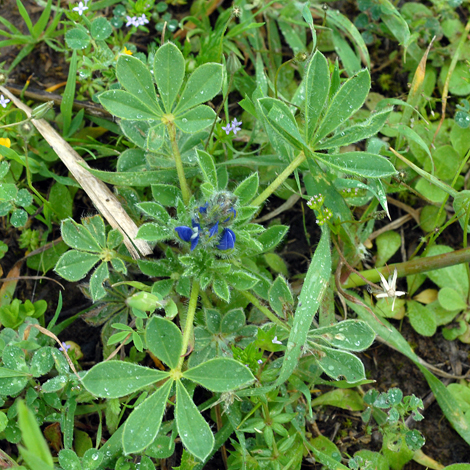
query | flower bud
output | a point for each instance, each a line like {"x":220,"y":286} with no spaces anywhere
{"x":41,"y":110}
{"x":233,"y":64}
{"x":26,"y":130}
{"x":144,"y":301}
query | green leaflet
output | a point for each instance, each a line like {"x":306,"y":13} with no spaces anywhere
{"x":168,"y":68}
{"x":316,"y":281}
{"x":193,"y":429}
{"x":117,"y":378}
{"x":144,"y":422}
{"x":220,"y":374}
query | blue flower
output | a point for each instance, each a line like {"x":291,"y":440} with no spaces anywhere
{"x":227,"y":241}
{"x":203,"y":209}
{"x":188,"y":234}
{"x":234,"y":214}
{"x":213,"y":231}
{"x":184,"y":232}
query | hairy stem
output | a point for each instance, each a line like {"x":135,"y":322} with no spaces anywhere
{"x":264,"y":310}
{"x":188,"y":326}
{"x":179,"y":163}
{"x":279,"y":180}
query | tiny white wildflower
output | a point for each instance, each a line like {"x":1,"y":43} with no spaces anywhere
{"x":143,"y":20}
{"x":4,"y":101}
{"x":132,"y":21}
{"x":80,"y":8}
{"x":227,"y":129}
{"x":390,"y":288}
{"x":276,"y":341}
{"x":236,"y":126}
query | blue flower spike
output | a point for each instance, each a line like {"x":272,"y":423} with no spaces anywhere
{"x":227,"y":241}
{"x":203,"y":209}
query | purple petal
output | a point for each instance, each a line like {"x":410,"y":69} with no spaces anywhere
{"x":184,"y":232}
{"x":227,"y":129}
{"x":214,"y":230}
{"x":227,"y":241}
{"x":203,"y":209}
{"x":236,"y":123}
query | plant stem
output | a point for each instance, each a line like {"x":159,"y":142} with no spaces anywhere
{"x":179,"y":163}
{"x":188,"y":326}
{"x":416,"y":266}
{"x":279,"y":180}
{"x":264,"y":310}
{"x":30,"y":181}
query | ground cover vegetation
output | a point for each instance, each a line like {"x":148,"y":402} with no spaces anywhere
{"x":214,"y":214}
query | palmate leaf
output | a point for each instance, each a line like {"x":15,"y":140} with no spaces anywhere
{"x":336,"y":363}
{"x":207,"y":165}
{"x":97,"y":279}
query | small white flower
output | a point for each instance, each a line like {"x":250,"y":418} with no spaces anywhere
{"x":227,"y":129}
{"x":390,"y":288}
{"x":81,"y":8}
{"x":142,"y":20}
{"x":4,"y":101}
{"x":131,"y":21}
{"x":235,"y":126}
{"x":260,"y":361}
{"x":276,"y":341}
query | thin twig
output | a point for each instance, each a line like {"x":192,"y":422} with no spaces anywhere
{"x":20,"y":278}
{"x":53,"y":336}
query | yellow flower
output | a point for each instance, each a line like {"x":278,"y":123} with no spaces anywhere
{"x":126,"y":51}
{"x":5,"y":142}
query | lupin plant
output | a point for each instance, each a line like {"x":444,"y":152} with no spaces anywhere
{"x":210,"y":244}
{"x":212,"y":307}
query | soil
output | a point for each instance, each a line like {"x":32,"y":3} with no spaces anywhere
{"x":44,"y":67}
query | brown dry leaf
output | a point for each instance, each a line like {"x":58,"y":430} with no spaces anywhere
{"x":427,"y":296}
{"x":8,"y":288}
